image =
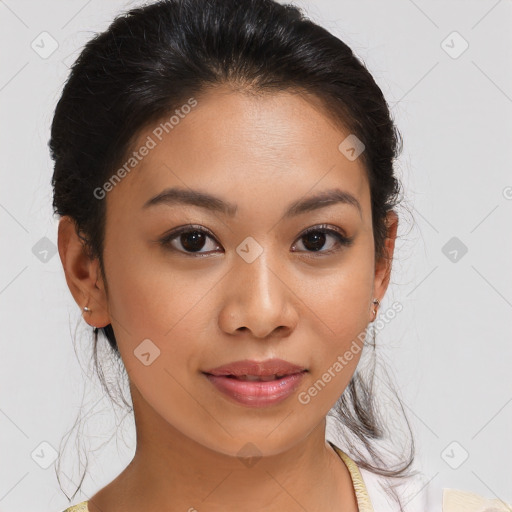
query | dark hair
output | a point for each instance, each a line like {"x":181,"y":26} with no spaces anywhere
{"x":153,"y":58}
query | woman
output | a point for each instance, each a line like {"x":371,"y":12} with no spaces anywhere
{"x":224,"y":178}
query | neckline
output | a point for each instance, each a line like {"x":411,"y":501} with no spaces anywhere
{"x":364,"y":503}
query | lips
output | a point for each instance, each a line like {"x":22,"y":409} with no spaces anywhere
{"x":257,"y":384}
{"x":264,"y":371}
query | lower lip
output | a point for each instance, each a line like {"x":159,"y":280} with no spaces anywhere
{"x":257,"y":393}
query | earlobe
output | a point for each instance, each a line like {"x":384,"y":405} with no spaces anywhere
{"x":376,"y":304}
{"x":82,"y":274}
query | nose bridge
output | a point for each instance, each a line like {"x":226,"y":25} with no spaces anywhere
{"x":261,"y":294}
{"x":258,"y":282}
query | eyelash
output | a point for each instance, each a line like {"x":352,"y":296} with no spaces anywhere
{"x":342,"y":240}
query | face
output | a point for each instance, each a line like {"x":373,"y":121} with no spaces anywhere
{"x":195,"y":286}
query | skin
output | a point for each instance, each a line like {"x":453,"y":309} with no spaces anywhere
{"x":261,"y":153}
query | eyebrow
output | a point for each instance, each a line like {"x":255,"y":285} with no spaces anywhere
{"x":171,"y":196}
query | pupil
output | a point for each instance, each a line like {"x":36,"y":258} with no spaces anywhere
{"x":193,"y":240}
{"x":318,"y":240}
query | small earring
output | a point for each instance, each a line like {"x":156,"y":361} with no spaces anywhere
{"x":87,"y":310}
{"x":375,"y":301}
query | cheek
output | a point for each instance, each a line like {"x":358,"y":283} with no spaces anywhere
{"x":146,"y":297}
{"x":341,"y":300}
{"x":340,"y":315}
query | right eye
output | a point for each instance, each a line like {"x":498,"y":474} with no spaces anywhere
{"x":191,"y":239}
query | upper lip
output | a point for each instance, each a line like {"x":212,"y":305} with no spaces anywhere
{"x":257,"y":368}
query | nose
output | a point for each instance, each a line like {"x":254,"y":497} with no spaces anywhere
{"x":259,"y":299}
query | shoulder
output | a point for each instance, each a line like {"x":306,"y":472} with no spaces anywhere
{"x":416,"y":497}
{"x":410,"y":490}
{"x":80,"y":507}
{"x":456,"y":500}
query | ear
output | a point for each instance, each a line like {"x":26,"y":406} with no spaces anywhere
{"x":83,"y":274}
{"x":383,"y":265}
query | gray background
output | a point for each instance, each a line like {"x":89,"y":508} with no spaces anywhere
{"x":450,"y":348}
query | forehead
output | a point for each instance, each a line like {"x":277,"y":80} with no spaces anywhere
{"x":279,"y":143}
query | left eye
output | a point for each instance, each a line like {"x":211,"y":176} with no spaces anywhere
{"x":315,"y":239}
